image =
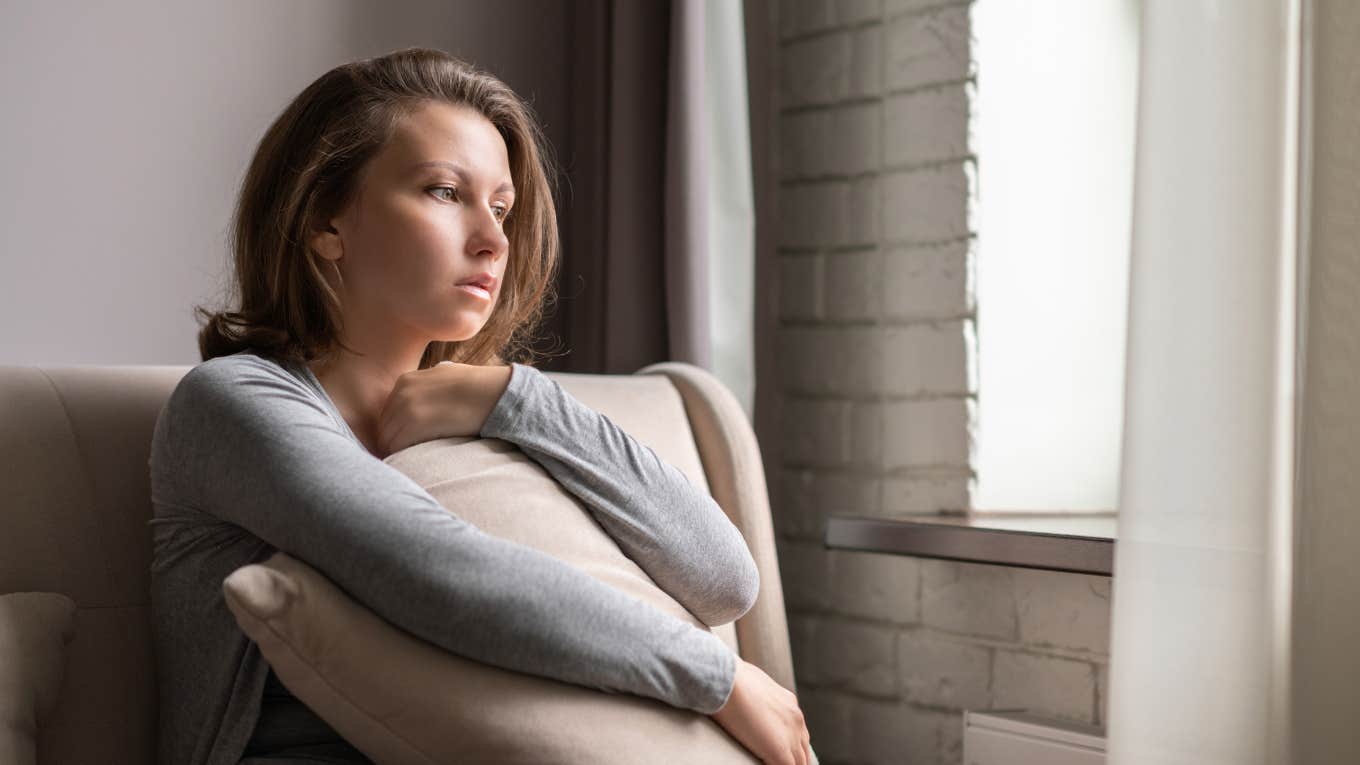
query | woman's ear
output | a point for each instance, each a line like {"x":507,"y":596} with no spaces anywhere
{"x":326,"y":243}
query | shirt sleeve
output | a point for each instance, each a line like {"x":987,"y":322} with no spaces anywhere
{"x":671,"y":528}
{"x":253,"y":446}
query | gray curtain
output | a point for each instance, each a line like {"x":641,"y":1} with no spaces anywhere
{"x":611,"y":313}
{"x":633,"y":287}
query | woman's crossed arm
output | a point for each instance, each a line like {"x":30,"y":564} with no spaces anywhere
{"x":241,"y":440}
{"x":671,"y":528}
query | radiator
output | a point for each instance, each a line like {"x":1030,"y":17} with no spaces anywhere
{"x":1019,"y":738}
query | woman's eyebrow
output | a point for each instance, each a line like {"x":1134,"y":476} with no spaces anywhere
{"x":504,"y":187}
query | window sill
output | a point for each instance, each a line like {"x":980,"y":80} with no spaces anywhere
{"x":1078,"y":543}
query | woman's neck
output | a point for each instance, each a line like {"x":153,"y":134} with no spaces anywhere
{"x":359,"y":386}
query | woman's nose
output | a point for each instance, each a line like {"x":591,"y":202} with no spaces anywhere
{"x":489,"y":236}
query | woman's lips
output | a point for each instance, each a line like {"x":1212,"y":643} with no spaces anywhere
{"x":473,"y":289}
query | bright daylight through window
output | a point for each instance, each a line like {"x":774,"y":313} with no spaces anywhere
{"x":1053,"y":130}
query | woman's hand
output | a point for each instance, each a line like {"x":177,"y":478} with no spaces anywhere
{"x":448,"y":399}
{"x":764,"y":716}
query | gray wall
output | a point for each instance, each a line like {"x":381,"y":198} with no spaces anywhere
{"x":874,"y":341}
{"x":128,"y":126}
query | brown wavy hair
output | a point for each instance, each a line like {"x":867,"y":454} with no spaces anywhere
{"x":307,"y":169}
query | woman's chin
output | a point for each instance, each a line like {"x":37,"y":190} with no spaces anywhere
{"x":457,"y":326}
{"x":458,"y":334}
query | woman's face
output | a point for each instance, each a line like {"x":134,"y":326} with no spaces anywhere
{"x":430,"y":213}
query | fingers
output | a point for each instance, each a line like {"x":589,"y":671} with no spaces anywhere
{"x":804,"y":738}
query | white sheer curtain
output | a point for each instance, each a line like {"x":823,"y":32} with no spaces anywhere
{"x":710,"y":206}
{"x":731,"y":203}
{"x":1200,"y":644}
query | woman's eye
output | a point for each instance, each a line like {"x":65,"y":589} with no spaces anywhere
{"x":453,"y":193}
{"x":504,"y":213}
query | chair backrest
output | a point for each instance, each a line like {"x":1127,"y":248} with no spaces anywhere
{"x":75,"y":440}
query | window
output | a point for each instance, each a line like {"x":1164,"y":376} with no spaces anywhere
{"x":1053,"y":129}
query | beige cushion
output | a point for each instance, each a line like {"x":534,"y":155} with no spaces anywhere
{"x":401,"y":700}
{"x":34,"y":630}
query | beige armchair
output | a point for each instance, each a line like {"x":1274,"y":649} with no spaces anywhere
{"x":74,"y":443}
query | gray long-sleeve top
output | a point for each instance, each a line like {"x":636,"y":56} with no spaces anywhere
{"x":250,"y":455}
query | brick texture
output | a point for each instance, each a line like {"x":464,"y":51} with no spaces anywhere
{"x":926,"y":49}
{"x":926,"y":126}
{"x":925,"y":283}
{"x":926,"y":204}
{"x":1047,"y":685}
{"x":877,"y":392}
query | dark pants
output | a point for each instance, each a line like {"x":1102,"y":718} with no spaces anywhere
{"x":288,"y":732}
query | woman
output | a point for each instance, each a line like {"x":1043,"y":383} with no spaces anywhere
{"x":394,"y":237}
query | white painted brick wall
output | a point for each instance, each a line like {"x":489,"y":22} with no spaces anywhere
{"x":853,"y":282}
{"x":876,"y":586}
{"x":969,"y":600}
{"x":858,"y":11}
{"x":842,"y":140}
{"x":877,"y":390}
{"x":893,"y":732}
{"x":842,"y":360}
{"x":927,"y":204}
{"x":927,"y":48}
{"x":925,"y":434}
{"x":805,"y":572}
{"x":1047,"y":685}
{"x":925,"y":360}
{"x":941,"y":672}
{"x":866,"y":436}
{"x":800,"y":17}
{"x":816,"y":432}
{"x":893,"y":8}
{"x":800,"y":287}
{"x":856,"y":657}
{"x":866,"y":62}
{"x":921,"y":283}
{"x":814,"y":214}
{"x":857,"y":360}
{"x":863,"y":212}
{"x":1057,"y":610}
{"x":926,"y":126}
{"x":816,"y":71}
{"x":808,"y":492}
{"x":957,"y":642}
{"x":924,"y":494}
{"x":828,"y":719}
{"x":1102,"y":690}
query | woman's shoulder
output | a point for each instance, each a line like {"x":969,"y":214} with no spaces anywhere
{"x":242,"y":366}
{"x":244,"y":374}
{"x":237,"y":397}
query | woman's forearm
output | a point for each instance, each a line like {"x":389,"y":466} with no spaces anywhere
{"x":675,"y":531}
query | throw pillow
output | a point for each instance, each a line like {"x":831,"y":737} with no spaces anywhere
{"x":423,"y":705}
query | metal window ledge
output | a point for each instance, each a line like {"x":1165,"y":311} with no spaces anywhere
{"x":1078,"y":543}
